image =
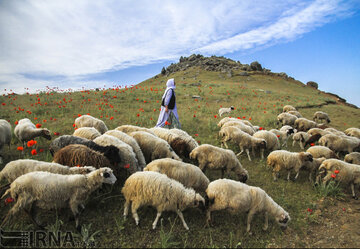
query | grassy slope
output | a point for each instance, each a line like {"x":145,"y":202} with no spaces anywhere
{"x":256,"y":97}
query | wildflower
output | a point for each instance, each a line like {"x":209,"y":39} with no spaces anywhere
{"x":196,"y":135}
{"x":336,"y":171}
{"x":215,"y":116}
{"x":38,"y":125}
{"x":20,"y":148}
{"x":309,"y":210}
{"x":3,"y":104}
{"x":31,"y":143}
{"x":312,"y":144}
{"x":8,"y":200}
{"x":16,"y":122}
{"x":278,"y":135}
{"x":33,"y":152}
{"x":79,"y":115}
{"x":194,"y":116}
{"x":333,"y":176}
{"x":73,"y":125}
{"x":111,"y":118}
{"x":56,"y":133}
{"x":41,"y":150}
{"x":127,"y":166}
{"x":138,"y":115}
{"x":167,"y":123}
{"x":261,"y":128}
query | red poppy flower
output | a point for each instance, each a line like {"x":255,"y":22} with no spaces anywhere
{"x":41,"y":150}
{"x":20,"y":148}
{"x":127,"y":166}
{"x":196,"y":135}
{"x":31,"y":143}
{"x":38,"y":125}
{"x":261,"y":128}
{"x":333,"y":176}
{"x":73,"y":125}
{"x":336,"y":171}
{"x":111,"y":118}
{"x":9,"y":200}
{"x":33,"y":152}
{"x":278,"y":135}
{"x":312,"y":144}
{"x":215,"y":116}
{"x":16,"y":122}
{"x":79,"y":115}
{"x":167,"y":123}
{"x":309,"y":210}
{"x":138,"y":115}
{"x":194,"y":116}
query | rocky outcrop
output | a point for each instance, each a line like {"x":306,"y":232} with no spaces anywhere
{"x":312,"y":84}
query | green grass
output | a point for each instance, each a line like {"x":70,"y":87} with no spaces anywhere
{"x":258,"y":98}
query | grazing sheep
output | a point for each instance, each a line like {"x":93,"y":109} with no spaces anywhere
{"x":227,"y":119}
{"x":341,"y":171}
{"x":353,"y":157}
{"x":87,"y":132}
{"x":26,"y":131}
{"x":19,"y":167}
{"x":334,"y":131}
{"x":283,"y":134}
{"x":126,"y":153}
{"x":110,"y":152}
{"x":225,"y":110}
{"x":296,"y":113}
{"x":312,"y":140}
{"x":354,"y":132}
{"x":245,"y":128}
{"x":303,"y":124}
{"x":316,"y":131}
{"x":131,"y":128}
{"x":288,"y":108}
{"x":300,"y":137}
{"x":90,"y":121}
{"x":184,"y":135}
{"x":181,"y":147}
{"x":286,"y":118}
{"x":313,"y":167}
{"x":187,"y":174}
{"x":319,"y":116}
{"x":238,"y":197}
{"x":46,"y":190}
{"x":158,"y":190}
{"x":212,"y":157}
{"x":272,"y":142}
{"x":5,"y":135}
{"x":321,"y":151}
{"x":340,"y":143}
{"x":132,"y":142}
{"x":153,"y":147}
{"x":283,"y":159}
{"x":242,"y":139}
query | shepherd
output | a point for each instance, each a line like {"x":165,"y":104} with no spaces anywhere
{"x":168,"y":116}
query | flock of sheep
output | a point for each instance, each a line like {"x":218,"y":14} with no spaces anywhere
{"x":166,"y":167}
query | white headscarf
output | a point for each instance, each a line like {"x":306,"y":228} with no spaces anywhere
{"x":170,"y":84}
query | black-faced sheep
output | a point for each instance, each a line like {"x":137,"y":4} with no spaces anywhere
{"x":90,"y":121}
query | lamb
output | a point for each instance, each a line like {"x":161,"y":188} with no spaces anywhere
{"x":153,"y":147}
{"x":90,"y":121}
{"x":340,"y":143}
{"x":296,"y":113}
{"x":245,"y":128}
{"x":181,"y":147}
{"x":19,"y":167}
{"x":127,"y":155}
{"x":303,"y":124}
{"x":340,"y":171}
{"x":283,"y":134}
{"x":87,"y":132}
{"x":283,"y":159}
{"x":5,"y":135}
{"x":131,"y":128}
{"x":272,"y":142}
{"x":212,"y":157}
{"x":242,"y":139}
{"x":300,"y":137}
{"x":187,"y":174}
{"x":26,"y":131}
{"x":321,"y":151}
{"x":47,"y":190}
{"x":286,"y":118}
{"x":238,"y":197}
{"x":354,"y":132}
{"x":353,"y":157}
{"x":225,"y":110}
{"x":158,"y":190}
{"x":134,"y":145}
{"x":110,"y":152}
{"x":319,"y":116}
{"x":288,"y":108}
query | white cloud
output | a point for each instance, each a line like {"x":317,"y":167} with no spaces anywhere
{"x":77,"y":38}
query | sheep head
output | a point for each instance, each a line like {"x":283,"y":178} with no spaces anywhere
{"x":306,"y":157}
{"x":46,"y":133}
{"x":112,"y":153}
{"x":108,"y":175}
{"x":198,"y":202}
{"x":283,"y":220}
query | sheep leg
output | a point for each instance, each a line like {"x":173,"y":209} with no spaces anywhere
{"x":266,"y":223}
{"x":249,"y":218}
{"x":208,"y":217}
{"x":156,"y":219}
{"x":262,"y":153}
{"x":248,"y":153}
{"x":241,"y":151}
{"x":274,"y":173}
{"x":32,"y":212}
{"x":223,"y":172}
{"x":288,"y":176}
{"x":227,"y":147}
{"x":126,"y":208}
{"x":182,"y":219}
{"x":353,"y":191}
{"x":134,"y":207}
{"x":296,"y":176}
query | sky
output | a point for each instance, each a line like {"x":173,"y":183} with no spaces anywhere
{"x":83,"y":43}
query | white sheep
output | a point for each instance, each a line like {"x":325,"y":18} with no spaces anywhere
{"x":286,"y":118}
{"x":315,"y":131}
{"x":301,"y":137}
{"x":158,"y":190}
{"x":320,"y":116}
{"x":212,"y":157}
{"x":14,"y":169}
{"x":287,"y":108}
{"x":225,"y":194}
{"x":304,"y":124}
{"x":26,"y":131}
{"x":131,"y":128}
{"x":245,"y":128}
{"x":189,"y":139}
{"x":296,"y":113}
{"x":5,"y":135}
{"x":353,"y":157}
{"x":334,"y":131}
{"x":272,"y":141}
{"x":127,"y":155}
{"x":87,"y":132}
{"x":354,"y":132}
{"x":225,"y":110}
{"x":189,"y":175}
{"x":132,"y":142}
{"x":242,"y":139}
{"x":340,"y":171}
{"x":340,"y":143}
{"x":227,"y":119}
{"x":318,"y":151}
{"x":46,"y":190}
{"x":283,"y":159}
{"x":90,"y":121}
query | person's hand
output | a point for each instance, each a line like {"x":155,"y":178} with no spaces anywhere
{"x":166,"y":109}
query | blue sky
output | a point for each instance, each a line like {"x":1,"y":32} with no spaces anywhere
{"x":95,"y":43}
